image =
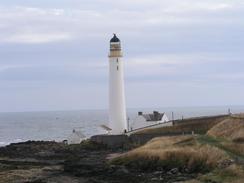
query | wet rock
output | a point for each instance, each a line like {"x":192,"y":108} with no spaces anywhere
{"x":186,"y":170}
{"x":174,"y":171}
{"x":158,"y":172}
{"x":45,"y":153}
{"x":85,"y":168}
{"x":30,"y":149}
{"x":154,"y":179}
{"x":122,"y":170}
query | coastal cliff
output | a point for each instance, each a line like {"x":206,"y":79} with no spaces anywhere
{"x":51,"y":162}
{"x":214,"y":156}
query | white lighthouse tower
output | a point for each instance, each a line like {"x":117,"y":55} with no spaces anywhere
{"x":117,"y":111}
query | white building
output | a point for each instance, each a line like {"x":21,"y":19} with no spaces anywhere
{"x":76,"y":137}
{"x":144,"y":120}
{"x":117,"y":110}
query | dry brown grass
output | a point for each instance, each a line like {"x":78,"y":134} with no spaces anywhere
{"x":171,"y":152}
{"x":236,"y":148}
{"x":234,"y":171}
{"x":20,"y":175}
{"x":192,"y":181}
{"x":231,"y":174}
{"x":232,"y":129}
{"x":240,"y":115}
{"x":168,"y":142}
{"x":198,"y":125}
{"x":239,"y":180}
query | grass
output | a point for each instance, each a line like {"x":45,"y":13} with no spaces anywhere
{"x":230,"y":174}
{"x":86,"y":144}
{"x":231,"y":128}
{"x":235,"y":148}
{"x":210,"y":154}
{"x":199,"y":154}
{"x":228,"y":135}
{"x":198,"y":125}
{"x":19,"y":175}
{"x":183,"y":152}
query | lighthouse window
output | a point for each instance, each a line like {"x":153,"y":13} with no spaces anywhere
{"x":117,"y":68}
{"x":117,"y":60}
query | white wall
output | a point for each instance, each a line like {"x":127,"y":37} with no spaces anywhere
{"x":117,"y":111}
{"x":164,"y":118}
{"x":140,"y":122}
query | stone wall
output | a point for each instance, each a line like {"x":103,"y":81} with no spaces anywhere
{"x":112,"y":141}
{"x":202,"y":119}
{"x":120,"y":141}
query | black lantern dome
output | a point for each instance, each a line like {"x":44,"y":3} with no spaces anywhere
{"x":115,"y":39}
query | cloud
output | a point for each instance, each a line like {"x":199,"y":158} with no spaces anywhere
{"x":184,"y":68}
{"x":54,"y":74}
{"x":229,"y":76}
{"x":31,"y":25}
{"x":182,"y":46}
{"x":162,"y":59}
{"x":196,"y":6}
{"x":33,"y":38}
{"x":179,"y":60}
{"x":23,"y":24}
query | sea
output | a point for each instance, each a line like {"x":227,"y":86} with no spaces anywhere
{"x":58,"y":125}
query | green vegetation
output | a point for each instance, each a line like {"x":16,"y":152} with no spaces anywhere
{"x":233,"y":149}
{"x":86,"y":144}
{"x":230,"y":174}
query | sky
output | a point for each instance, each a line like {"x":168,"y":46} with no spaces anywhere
{"x":54,"y":53}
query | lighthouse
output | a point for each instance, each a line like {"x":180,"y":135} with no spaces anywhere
{"x":117,"y":110}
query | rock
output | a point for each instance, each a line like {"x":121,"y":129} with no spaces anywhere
{"x":154,"y":179}
{"x":174,"y":171}
{"x":46,"y":162}
{"x":45,"y":153}
{"x":225,"y":163}
{"x":169,"y":173}
{"x":187,"y":170}
{"x":158,"y":172}
{"x":83,"y":168}
{"x":123,"y":170}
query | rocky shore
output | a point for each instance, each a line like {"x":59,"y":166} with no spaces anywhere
{"x":51,"y":162}
{"x":215,"y":155}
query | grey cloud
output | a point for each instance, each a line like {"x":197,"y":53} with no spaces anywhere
{"x":35,"y":24}
{"x":188,"y":47}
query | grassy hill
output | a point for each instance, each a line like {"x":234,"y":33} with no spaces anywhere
{"x":182,"y":152}
{"x":197,"y":125}
{"x":216,"y":152}
{"x":231,"y":131}
{"x":231,"y":128}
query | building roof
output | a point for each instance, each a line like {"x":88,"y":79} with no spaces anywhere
{"x":115,"y":39}
{"x":155,"y":116}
